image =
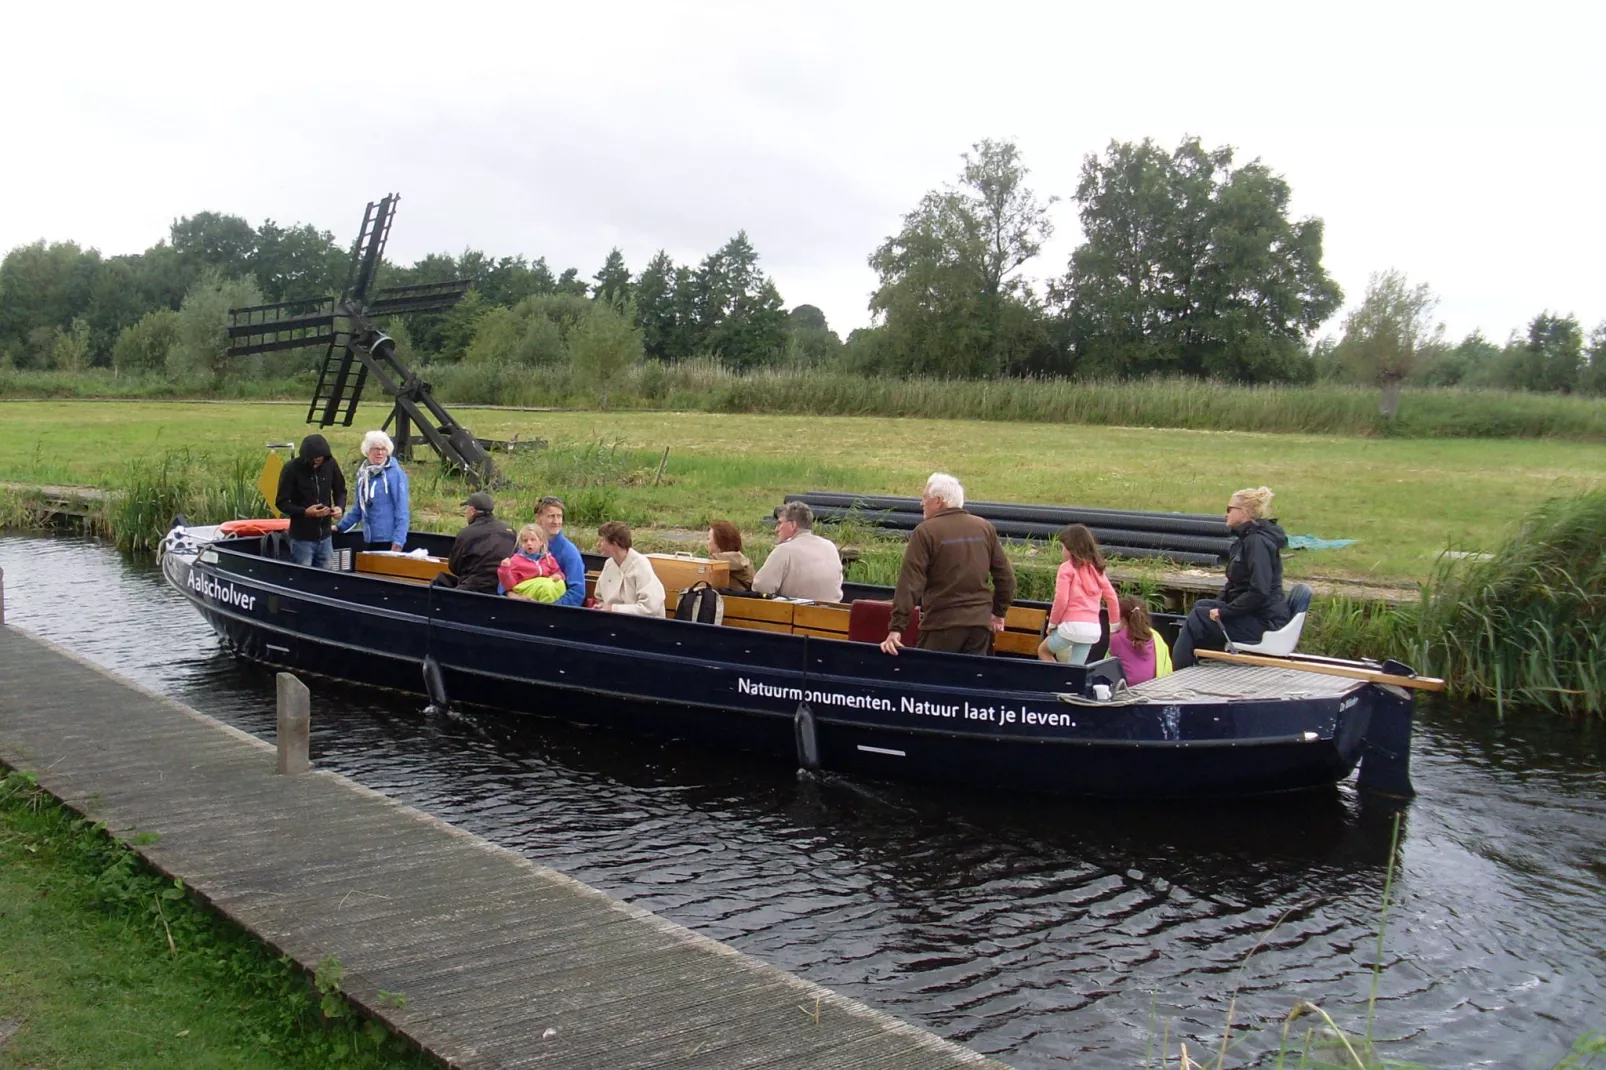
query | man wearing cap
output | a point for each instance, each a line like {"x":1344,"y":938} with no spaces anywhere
{"x":481,"y":546}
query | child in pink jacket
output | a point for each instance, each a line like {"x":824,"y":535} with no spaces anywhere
{"x":1073,"y":623}
{"x":530,"y":561}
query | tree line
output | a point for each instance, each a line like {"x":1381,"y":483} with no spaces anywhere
{"x":1190,"y":265}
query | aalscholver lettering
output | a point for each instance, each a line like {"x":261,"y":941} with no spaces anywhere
{"x":227,"y":593}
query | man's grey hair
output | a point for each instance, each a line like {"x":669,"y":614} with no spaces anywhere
{"x":945,"y":487}
{"x":798,"y":513}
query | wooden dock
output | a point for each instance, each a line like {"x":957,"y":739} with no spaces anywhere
{"x":503,"y":963}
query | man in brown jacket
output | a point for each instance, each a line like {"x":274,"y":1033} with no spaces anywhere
{"x":945,"y":570}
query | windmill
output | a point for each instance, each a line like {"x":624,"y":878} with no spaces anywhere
{"x":356,"y":349}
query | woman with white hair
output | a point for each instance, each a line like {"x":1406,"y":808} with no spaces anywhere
{"x":380,"y":504}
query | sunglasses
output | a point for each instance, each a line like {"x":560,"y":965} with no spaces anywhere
{"x":549,"y":500}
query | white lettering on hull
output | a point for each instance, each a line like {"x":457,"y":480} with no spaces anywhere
{"x":221,"y":591}
{"x":821,"y":698}
{"x":996,"y":714}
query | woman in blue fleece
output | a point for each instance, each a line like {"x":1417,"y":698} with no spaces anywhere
{"x":380,"y":504}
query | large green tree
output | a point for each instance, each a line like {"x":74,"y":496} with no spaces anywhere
{"x":300,"y":261}
{"x":1192,"y":266}
{"x":201,"y":331}
{"x":43,"y":288}
{"x":1554,"y":355}
{"x":1592,"y":380}
{"x":950,"y":295}
{"x":1390,"y":335}
{"x":736,"y":312}
{"x":536,"y":331}
{"x":613,"y":279}
{"x":606,"y":344}
{"x":655,"y":306}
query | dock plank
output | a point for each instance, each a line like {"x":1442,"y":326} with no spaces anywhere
{"x":493,"y":951}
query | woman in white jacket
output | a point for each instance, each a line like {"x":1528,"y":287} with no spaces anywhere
{"x":627,"y":584}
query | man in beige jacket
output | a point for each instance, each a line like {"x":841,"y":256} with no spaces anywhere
{"x":627,"y":584}
{"x":802,"y":565}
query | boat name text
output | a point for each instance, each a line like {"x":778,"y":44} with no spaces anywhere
{"x":226,"y":593}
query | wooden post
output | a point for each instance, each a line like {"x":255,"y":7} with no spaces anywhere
{"x":2,"y":597}
{"x":295,"y":721}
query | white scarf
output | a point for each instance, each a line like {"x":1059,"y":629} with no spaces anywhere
{"x":367,"y":476}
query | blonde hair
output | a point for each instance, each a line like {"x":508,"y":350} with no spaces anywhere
{"x":377,"y":438}
{"x":533,"y":529}
{"x":1256,"y":501}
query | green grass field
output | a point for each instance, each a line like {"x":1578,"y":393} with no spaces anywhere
{"x":103,"y":964}
{"x":1404,"y":500}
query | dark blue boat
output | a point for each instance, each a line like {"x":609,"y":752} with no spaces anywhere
{"x":1001,"y":721}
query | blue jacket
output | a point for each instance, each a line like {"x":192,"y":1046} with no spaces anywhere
{"x":574,"y":569}
{"x":386,"y":517}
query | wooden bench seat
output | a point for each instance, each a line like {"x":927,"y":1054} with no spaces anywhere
{"x":1023,"y":625}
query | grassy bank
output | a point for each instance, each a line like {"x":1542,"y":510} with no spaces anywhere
{"x":103,"y":963}
{"x":1405,"y":501}
{"x":1171,"y":403}
{"x":1522,"y":627}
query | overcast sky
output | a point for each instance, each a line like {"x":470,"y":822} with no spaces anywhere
{"x":1460,"y":143}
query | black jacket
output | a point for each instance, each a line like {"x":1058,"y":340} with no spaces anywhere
{"x":301,"y":485}
{"x":479,"y":549}
{"x":1254,"y":585}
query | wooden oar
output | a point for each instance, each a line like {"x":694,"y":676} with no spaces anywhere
{"x":1421,"y":683}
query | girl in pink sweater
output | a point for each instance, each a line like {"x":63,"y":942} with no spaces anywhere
{"x":1073,"y":623}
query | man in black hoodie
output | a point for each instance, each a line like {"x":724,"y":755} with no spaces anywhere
{"x":312,"y":493}
{"x":1252,"y":601}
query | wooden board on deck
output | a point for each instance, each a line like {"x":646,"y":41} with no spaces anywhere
{"x":821,"y":618}
{"x":400,"y":567}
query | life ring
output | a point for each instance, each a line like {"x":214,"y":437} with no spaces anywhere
{"x":253,"y":527}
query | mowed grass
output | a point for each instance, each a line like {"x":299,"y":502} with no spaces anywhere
{"x":1403,"y":500}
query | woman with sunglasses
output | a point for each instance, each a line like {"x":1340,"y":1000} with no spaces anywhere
{"x":1252,"y":601}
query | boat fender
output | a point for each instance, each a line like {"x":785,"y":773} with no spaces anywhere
{"x":808,"y":740}
{"x":434,"y":686}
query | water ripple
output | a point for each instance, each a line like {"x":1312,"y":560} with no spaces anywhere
{"x":1046,"y":933}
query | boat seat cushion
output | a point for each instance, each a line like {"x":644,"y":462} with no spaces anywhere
{"x":868,"y":620}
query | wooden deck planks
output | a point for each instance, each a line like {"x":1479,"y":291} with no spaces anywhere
{"x":491,"y":950}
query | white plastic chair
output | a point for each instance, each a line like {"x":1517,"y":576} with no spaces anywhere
{"x":1286,"y":638}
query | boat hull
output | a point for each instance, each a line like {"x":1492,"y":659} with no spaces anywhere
{"x":988,"y":722}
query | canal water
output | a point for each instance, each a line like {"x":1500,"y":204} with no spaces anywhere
{"x":1044,"y":931}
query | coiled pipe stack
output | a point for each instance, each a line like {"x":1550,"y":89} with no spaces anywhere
{"x":1183,"y":538}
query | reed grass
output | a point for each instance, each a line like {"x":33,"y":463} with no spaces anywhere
{"x":1527,"y":625}
{"x":181,"y":482}
{"x":704,"y":385}
{"x":1182,"y":403}
{"x":106,"y":383}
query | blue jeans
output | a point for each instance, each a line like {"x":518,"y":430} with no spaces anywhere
{"x":319,"y":553}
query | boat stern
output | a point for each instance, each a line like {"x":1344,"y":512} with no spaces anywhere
{"x":1386,"y":745}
